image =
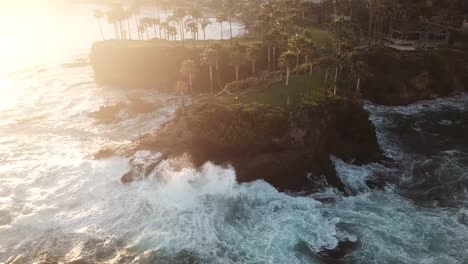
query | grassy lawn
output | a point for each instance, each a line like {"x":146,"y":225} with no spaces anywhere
{"x":299,"y":88}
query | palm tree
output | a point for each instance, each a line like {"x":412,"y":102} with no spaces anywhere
{"x":309,"y":52}
{"x":98,"y":14}
{"x":128,"y":16}
{"x":237,"y":59}
{"x":252,"y":54}
{"x":204,"y":23}
{"x":220,"y":18}
{"x":218,"y":48}
{"x":286,"y":61}
{"x":135,"y":9}
{"x":181,"y":88}
{"x":297,"y":44}
{"x":209,"y":57}
{"x":113,"y":18}
{"x":172,"y":32}
{"x":164,"y":26}
{"x":188,"y":69}
{"x":141,"y":30}
{"x":196,"y":14}
{"x":179,"y":14}
{"x":192,"y":26}
{"x":230,"y":6}
{"x":360,"y":69}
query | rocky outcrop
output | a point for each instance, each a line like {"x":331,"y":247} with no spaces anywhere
{"x":288,"y":148}
{"x":400,"y":78}
{"x":114,"y":113}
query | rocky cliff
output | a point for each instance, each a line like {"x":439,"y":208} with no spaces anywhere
{"x":288,"y":148}
{"x":400,"y":78}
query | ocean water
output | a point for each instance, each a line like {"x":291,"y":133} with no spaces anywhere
{"x":58,"y":205}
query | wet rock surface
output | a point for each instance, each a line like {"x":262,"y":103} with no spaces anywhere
{"x":287,"y":148}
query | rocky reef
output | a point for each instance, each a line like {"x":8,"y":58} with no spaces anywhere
{"x":400,"y":78}
{"x":288,"y":148}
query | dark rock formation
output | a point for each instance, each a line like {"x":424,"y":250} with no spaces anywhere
{"x":287,"y":148}
{"x":111,"y":113}
{"x":400,"y":78}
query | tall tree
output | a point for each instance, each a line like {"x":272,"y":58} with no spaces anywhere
{"x":209,"y":57}
{"x":286,"y":61}
{"x":220,"y":18}
{"x":297,"y":44}
{"x":188,"y":69}
{"x":204,"y":23}
{"x":237,"y":59}
{"x":252,"y":54}
{"x":98,"y":14}
{"x":361,"y":71}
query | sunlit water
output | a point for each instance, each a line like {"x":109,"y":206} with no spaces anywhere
{"x":59,"y":205}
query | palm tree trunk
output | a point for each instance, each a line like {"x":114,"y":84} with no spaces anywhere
{"x":100,"y":27}
{"x":326,"y":76}
{"x":311,"y":69}
{"x":204,"y":38}
{"x":190,"y":82}
{"x":129,"y":29}
{"x":138,"y":27}
{"x":336,"y":79}
{"x":287,"y":75}
{"x":237,"y":73}
{"x":221,"y":32}
{"x":116,"y":31}
{"x":306,"y":59}
{"x":253,"y":67}
{"x":274,"y":58}
{"x":371,"y":17}
{"x":217,"y":72}
{"x":297,"y":60}
{"x":230,"y":28}
{"x":358,"y":86}
{"x":147,"y":34}
{"x":211,"y":81}
{"x":269,"y":59}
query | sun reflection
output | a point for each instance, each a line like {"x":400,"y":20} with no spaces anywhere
{"x":32,"y":32}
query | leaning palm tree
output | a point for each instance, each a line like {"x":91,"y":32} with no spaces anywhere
{"x":188,"y":69}
{"x":209,"y":57}
{"x":98,"y":14}
{"x":204,"y":23}
{"x":220,"y":18}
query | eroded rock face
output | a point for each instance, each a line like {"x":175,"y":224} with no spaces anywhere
{"x":114,"y":113}
{"x":400,"y":78}
{"x":287,"y":148}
